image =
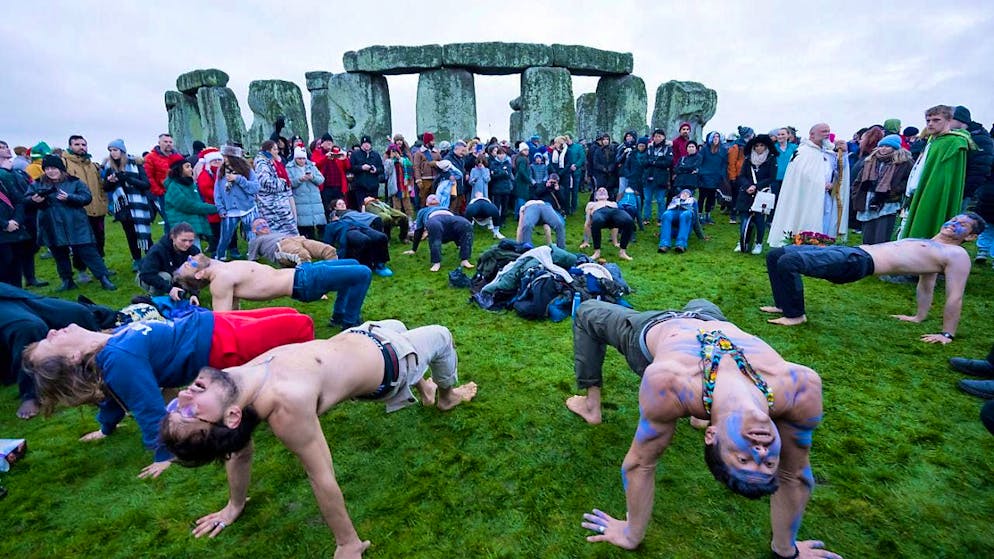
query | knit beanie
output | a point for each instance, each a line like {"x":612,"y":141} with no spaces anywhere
{"x":211,"y":154}
{"x":427,"y":137}
{"x":119,"y":144}
{"x":53,"y":161}
{"x":962,"y":114}
{"x":299,"y":153}
{"x":40,"y":150}
{"x":892,"y":141}
{"x":892,"y":126}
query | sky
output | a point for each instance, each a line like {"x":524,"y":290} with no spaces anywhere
{"x":100,"y":69}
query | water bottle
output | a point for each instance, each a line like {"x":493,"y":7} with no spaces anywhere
{"x":576,"y":303}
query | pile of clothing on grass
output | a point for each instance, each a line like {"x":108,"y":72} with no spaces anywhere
{"x":542,"y":282}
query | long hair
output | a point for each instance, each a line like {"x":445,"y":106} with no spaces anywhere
{"x":237,"y":165}
{"x":869,"y":140}
{"x":61,"y":382}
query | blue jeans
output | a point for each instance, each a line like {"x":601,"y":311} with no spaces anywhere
{"x":229,"y":225}
{"x":984,"y":241}
{"x":349,"y":279}
{"x":653,"y":194}
{"x":685,"y":218}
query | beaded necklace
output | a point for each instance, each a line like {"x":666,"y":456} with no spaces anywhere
{"x":714,"y":345}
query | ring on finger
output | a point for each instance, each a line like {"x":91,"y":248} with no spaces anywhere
{"x":601,"y":528}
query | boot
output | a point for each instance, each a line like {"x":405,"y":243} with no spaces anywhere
{"x":67,"y":284}
{"x":106,"y":284}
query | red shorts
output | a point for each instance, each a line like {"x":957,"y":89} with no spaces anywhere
{"x":240,"y":336}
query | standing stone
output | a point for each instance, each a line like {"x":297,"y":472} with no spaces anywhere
{"x":587,"y":123}
{"x":220,"y":115}
{"x":184,"y":120}
{"x":547,"y":103}
{"x":515,"y":135}
{"x":446,"y":104}
{"x":621,"y":105}
{"x":350,"y":106}
{"x":678,"y":102}
{"x":269,"y":99}
{"x":190,"y":82}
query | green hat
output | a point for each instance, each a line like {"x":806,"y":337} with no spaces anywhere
{"x":892,"y":125}
{"x":40,"y":150}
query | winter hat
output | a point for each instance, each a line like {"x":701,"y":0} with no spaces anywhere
{"x":210,"y":155}
{"x":365,"y":140}
{"x":535,"y":138}
{"x":908,"y":132}
{"x":53,"y":161}
{"x":696,"y":145}
{"x":962,"y":114}
{"x":197,"y":146}
{"x":658,"y":131}
{"x":40,"y":150}
{"x":231,"y":151}
{"x":427,"y":137}
{"x":326,"y":137}
{"x":892,"y":125}
{"x":687,"y":124}
{"x":891,"y":140}
{"x":538,"y":157}
{"x":746,"y":132}
{"x":444,"y":146}
{"x":444,"y":165}
{"x":554,"y":177}
{"x":177,"y":164}
{"x":643,"y":140}
{"x":522,"y":147}
{"x":398,"y":137}
{"x":119,"y":144}
{"x":299,"y":153}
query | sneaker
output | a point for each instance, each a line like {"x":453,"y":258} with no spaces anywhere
{"x":106,"y":284}
{"x":757,"y":249}
{"x":980,"y":259}
{"x":83,"y":277}
{"x":36,"y":283}
{"x":663,"y":250}
{"x":67,"y":285}
{"x":732,"y":221}
{"x":382,"y":271}
{"x":680,"y":250}
{"x":738,"y":248}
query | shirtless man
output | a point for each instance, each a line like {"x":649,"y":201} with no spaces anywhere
{"x":762,"y":411}
{"x":925,"y":258}
{"x":604,"y":213}
{"x":289,"y":387}
{"x":231,"y":281}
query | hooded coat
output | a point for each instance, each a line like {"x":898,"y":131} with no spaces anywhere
{"x":84,"y":169}
{"x":62,"y":222}
{"x":939,"y":183}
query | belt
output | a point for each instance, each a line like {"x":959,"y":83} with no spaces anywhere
{"x":391,"y":366}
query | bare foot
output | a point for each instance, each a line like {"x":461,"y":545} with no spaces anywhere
{"x":28,"y":409}
{"x":427,"y":388}
{"x":466,"y":264}
{"x":596,"y":254}
{"x":784,"y":321}
{"x":699,"y":423}
{"x":448,"y":399}
{"x":435,"y":267}
{"x":623,"y":254}
{"x":584,"y":245}
{"x":578,"y":405}
{"x":771,"y":309}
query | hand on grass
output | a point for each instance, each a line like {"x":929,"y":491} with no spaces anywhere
{"x":154,"y":469}
{"x":212,"y":524}
{"x":906,"y":318}
{"x":94,"y":436}
{"x":352,"y":550}
{"x":409,"y":252}
{"x":584,"y":245}
{"x":810,"y":549}
{"x":608,"y":529}
{"x":935,"y":339}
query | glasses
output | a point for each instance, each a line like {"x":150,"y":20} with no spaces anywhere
{"x":188,"y":413}
{"x":191,"y":261}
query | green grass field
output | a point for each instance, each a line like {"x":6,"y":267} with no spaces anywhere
{"x":903,"y":465}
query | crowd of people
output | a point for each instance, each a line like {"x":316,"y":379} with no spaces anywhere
{"x":323,"y":215}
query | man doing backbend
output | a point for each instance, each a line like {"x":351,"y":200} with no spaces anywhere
{"x":762,"y":411}
{"x":289,"y":387}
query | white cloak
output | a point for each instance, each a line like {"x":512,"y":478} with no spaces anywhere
{"x":802,"y":195}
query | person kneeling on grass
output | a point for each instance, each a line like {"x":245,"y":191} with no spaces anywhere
{"x":155,"y":273}
{"x":231,"y":281}
{"x":603,"y":213}
{"x":925,"y":258}
{"x":124,"y":371}
{"x":761,"y":411}
{"x":442,"y":226}
{"x":284,"y":249}
{"x":289,"y":387}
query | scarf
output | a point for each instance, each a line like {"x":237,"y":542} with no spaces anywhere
{"x":280,"y":170}
{"x":130,"y":204}
{"x":879,"y":169}
{"x":758,"y":159}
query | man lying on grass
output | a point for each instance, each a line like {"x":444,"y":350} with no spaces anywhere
{"x":290,"y":387}
{"x":762,"y":411}
{"x":231,"y":281}
{"x":925,"y":258}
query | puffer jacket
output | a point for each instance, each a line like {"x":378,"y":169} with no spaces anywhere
{"x":84,"y":169}
{"x":307,"y":194}
{"x":183,"y":203}
{"x":978,"y":161}
{"x":62,"y":222}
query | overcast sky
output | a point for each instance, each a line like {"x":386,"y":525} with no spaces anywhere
{"x":100,"y":69}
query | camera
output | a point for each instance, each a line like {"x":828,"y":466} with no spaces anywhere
{"x":45,"y":190}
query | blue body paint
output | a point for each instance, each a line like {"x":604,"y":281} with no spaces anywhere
{"x":795,"y":526}
{"x":624,"y":479}
{"x":956,"y":226}
{"x":645,"y":430}
{"x":808,"y":478}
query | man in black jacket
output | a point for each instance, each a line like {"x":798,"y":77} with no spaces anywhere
{"x":602,"y":165}
{"x":367,"y":165}
{"x":156,"y":272}
{"x":657,"y":175}
{"x":978,"y":161}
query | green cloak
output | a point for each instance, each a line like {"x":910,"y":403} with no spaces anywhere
{"x":939,"y":196}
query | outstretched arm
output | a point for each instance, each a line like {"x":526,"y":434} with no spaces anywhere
{"x":239,"y":470}
{"x":923,"y":297}
{"x":957,"y":272}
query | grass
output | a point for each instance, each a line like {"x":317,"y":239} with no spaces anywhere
{"x":902,"y":462}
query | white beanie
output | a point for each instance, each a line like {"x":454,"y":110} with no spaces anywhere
{"x":299,"y":153}
{"x":522,"y":147}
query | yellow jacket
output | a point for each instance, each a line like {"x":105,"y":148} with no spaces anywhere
{"x":87,"y":171}
{"x":34,"y":169}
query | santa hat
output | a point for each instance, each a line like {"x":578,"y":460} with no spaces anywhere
{"x":211,"y":154}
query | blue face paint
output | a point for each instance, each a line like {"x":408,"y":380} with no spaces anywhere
{"x":774,"y":450}
{"x":956,"y":226}
{"x":733,"y":428}
{"x":803,"y":436}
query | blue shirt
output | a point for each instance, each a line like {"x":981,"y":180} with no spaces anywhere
{"x":144,"y":356}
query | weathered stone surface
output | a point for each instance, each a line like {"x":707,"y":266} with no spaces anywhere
{"x":516,"y":103}
{"x":446,"y":104}
{"x":190,"y":82}
{"x":496,"y":58}
{"x":547,"y":103}
{"x":220,"y":115}
{"x":317,"y":80}
{"x":678,"y":102}
{"x":269,"y":99}
{"x":621,"y":105}
{"x":184,"y":120}
{"x":351,"y":105}
{"x":379,"y":59}
{"x":516,"y":135}
{"x":587,"y":61}
{"x":587,"y":124}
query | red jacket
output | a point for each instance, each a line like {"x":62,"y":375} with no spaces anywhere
{"x":157,"y":168}
{"x":205,"y":185}
{"x":333,"y":169}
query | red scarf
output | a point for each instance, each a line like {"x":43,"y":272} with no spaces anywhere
{"x":281,"y":171}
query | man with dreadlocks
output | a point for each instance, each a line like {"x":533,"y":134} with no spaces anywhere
{"x":761,"y":411}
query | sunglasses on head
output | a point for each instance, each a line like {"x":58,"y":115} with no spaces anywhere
{"x":188,"y":413}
